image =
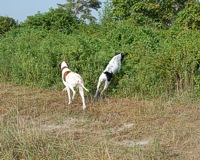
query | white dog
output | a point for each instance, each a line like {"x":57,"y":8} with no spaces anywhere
{"x":113,"y":66}
{"x":70,"y":80}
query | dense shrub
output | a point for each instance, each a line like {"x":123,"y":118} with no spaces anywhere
{"x":159,"y":61}
{"x":189,"y":17}
{"x":162,"y":62}
{"x":6,"y":24}
{"x":58,"y":19}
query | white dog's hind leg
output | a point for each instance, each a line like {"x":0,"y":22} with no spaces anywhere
{"x":81,"y":91}
{"x":69,"y":97}
{"x":73,"y":91}
{"x":105,"y":87}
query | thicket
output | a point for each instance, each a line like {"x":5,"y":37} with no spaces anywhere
{"x":159,"y":61}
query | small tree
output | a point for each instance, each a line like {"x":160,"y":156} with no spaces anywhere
{"x":56,"y":19}
{"x":82,"y":8}
{"x":6,"y":24}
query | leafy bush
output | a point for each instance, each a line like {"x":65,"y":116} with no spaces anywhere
{"x":189,"y":17}
{"x":160,"y":62}
{"x":58,"y":19}
{"x":6,"y":24}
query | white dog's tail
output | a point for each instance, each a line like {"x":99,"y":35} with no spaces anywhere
{"x":84,"y":87}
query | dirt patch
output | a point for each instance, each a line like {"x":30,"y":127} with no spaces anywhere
{"x":128,"y":143}
{"x":69,"y":125}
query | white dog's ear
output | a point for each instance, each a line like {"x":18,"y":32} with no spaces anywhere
{"x":67,"y":64}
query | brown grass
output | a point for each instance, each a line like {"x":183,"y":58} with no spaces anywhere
{"x":38,"y":124}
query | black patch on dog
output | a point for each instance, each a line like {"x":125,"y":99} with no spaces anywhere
{"x":109,"y":75}
{"x":116,"y":53}
{"x":123,"y":55}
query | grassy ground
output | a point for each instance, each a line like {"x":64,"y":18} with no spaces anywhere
{"x":38,"y":124}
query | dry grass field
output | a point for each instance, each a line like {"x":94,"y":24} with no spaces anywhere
{"x":38,"y":124}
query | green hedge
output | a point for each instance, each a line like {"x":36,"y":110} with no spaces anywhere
{"x":159,"y":61}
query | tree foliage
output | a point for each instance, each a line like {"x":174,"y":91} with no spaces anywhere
{"x":190,"y":16}
{"x":6,"y":24}
{"x":56,"y":19}
{"x":158,"y":11}
{"x":82,"y":8}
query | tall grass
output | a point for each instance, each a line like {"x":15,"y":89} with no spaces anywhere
{"x":160,"y":62}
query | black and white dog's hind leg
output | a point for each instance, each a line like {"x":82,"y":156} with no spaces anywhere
{"x":105,"y":76}
{"x":102,"y":78}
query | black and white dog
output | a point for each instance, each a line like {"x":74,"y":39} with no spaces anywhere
{"x":113,"y":66}
{"x":72,"y":80}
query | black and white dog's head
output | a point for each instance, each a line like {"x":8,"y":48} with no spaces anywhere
{"x":115,"y":63}
{"x":122,"y":55}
